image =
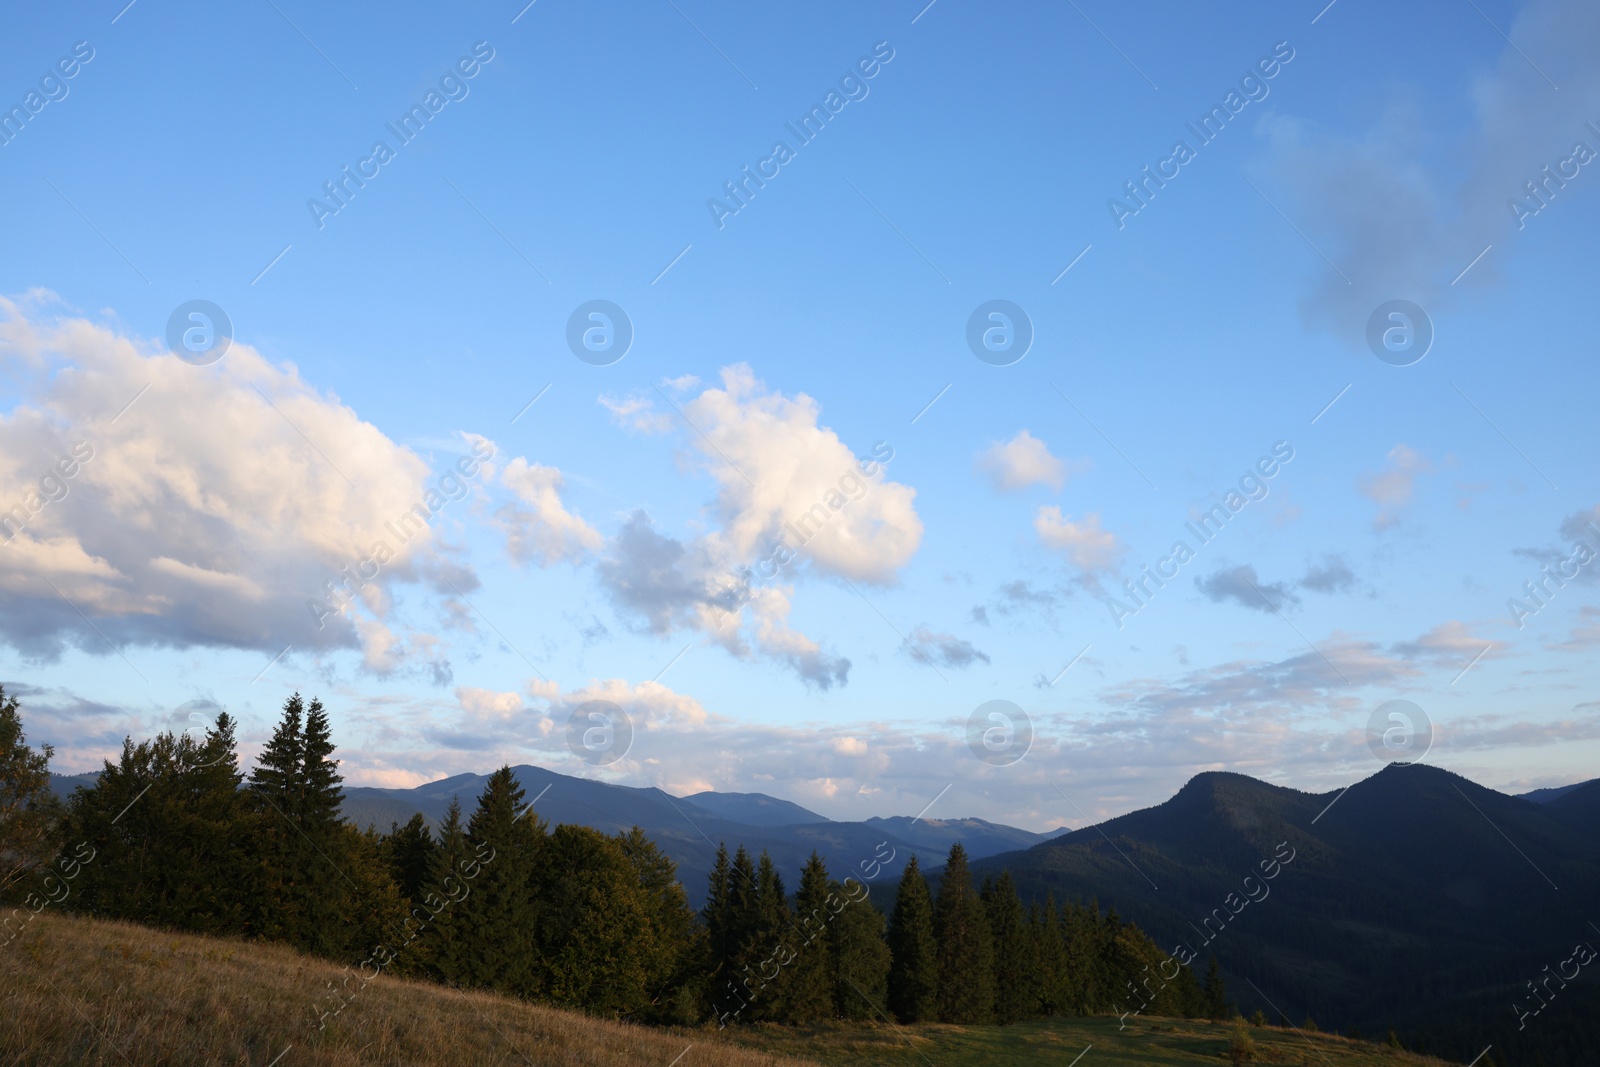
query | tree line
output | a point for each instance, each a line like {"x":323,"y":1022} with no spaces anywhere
{"x":175,"y":834}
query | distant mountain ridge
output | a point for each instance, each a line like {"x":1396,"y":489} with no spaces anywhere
{"x":690,"y":828}
{"x":1415,"y":898}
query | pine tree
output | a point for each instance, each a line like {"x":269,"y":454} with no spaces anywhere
{"x":311,"y":898}
{"x":409,"y":851}
{"x":774,"y":945}
{"x":914,"y":954}
{"x":718,"y":916}
{"x":28,"y":808}
{"x":1016,"y":952}
{"x":859,"y":957}
{"x":966,"y":950}
{"x":497,"y":919}
{"x":437,"y":944}
{"x":216,"y":824}
{"x":1216,"y":993}
{"x":1054,"y":982}
{"x":807,"y":985}
{"x":737,"y":981}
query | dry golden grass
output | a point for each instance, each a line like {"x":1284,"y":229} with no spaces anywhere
{"x":79,"y":991}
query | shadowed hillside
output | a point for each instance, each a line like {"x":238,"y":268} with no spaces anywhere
{"x":78,"y":991}
{"x":1416,"y":899}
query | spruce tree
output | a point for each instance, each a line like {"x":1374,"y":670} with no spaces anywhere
{"x":1215,"y":991}
{"x":436,"y":938}
{"x":1016,"y":952}
{"x":966,"y":950}
{"x":497,"y":919}
{"x":807,"y":985}
{"x":28,"y":808}
{"x":773,"y":946}
{"x":408,"y":852}
{"x":914,"y":954}
{"x":311,"y":897}
{"x":739,"y":981}
{"x":1055,"y":997}
{"x":278,"y":905}
{"x":718,"y":917}
{"x":859,"y":957}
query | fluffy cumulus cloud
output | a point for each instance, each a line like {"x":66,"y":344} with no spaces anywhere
{"x":1085,"y":543}
{"x":160,"y":503}
{"x":1393,"y":487}
{"x":791,"y":499}
{"x":1400,"y":221}
{"x":234,"y":505}
{"x":537,"y":524}
{"x":1020,"y":462}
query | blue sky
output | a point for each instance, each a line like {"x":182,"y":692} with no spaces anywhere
{"x":591,"y":557}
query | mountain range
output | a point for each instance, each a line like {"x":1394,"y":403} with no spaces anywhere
{"x":1415,"y":899}
{"x":690,"y":828}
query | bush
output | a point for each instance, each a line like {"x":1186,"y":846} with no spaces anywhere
{"x":1241,"y":1046}
{"x":1259,"y":1018}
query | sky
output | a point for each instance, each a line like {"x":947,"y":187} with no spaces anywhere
{"x":787,"y":386}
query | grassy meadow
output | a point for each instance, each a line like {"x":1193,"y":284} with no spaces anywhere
{"x":83,"y":991}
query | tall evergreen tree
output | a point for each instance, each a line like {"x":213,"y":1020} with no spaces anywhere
{"x":808,"y":983}
{"x":1055,"y":997}
{"x":497,"y":918}
{"x":966,"y":950}
{"x":914,"y":954}
{"x":721,"y":942}
{"x":772,"y":945}
{"x":738,"y":981}
{"x":28,"y":808}
{"x":859,"y":958}
{"x":408,"y":852}
{"x":1214,"y":995}
{"x":308,"y":896}
{"x":437,"y":944}
{"x":1016,"y":952}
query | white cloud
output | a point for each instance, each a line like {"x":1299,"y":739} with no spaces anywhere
{"x":1020,"y":462}
{"x":1085,"y":543}
{"x":791,"y":498}
{"x":544,"y":531}
{"x":206,"y":505}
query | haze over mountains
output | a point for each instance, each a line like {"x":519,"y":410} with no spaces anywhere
{"x":689,"y":828}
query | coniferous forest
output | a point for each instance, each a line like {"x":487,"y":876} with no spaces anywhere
{"x":176,"y":834}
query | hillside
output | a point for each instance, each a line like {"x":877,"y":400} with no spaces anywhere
{"x":1417,"y":900}
{"x":80,"y":991}
{"x":1155,"y":1042}
{"x":77,"y":991}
